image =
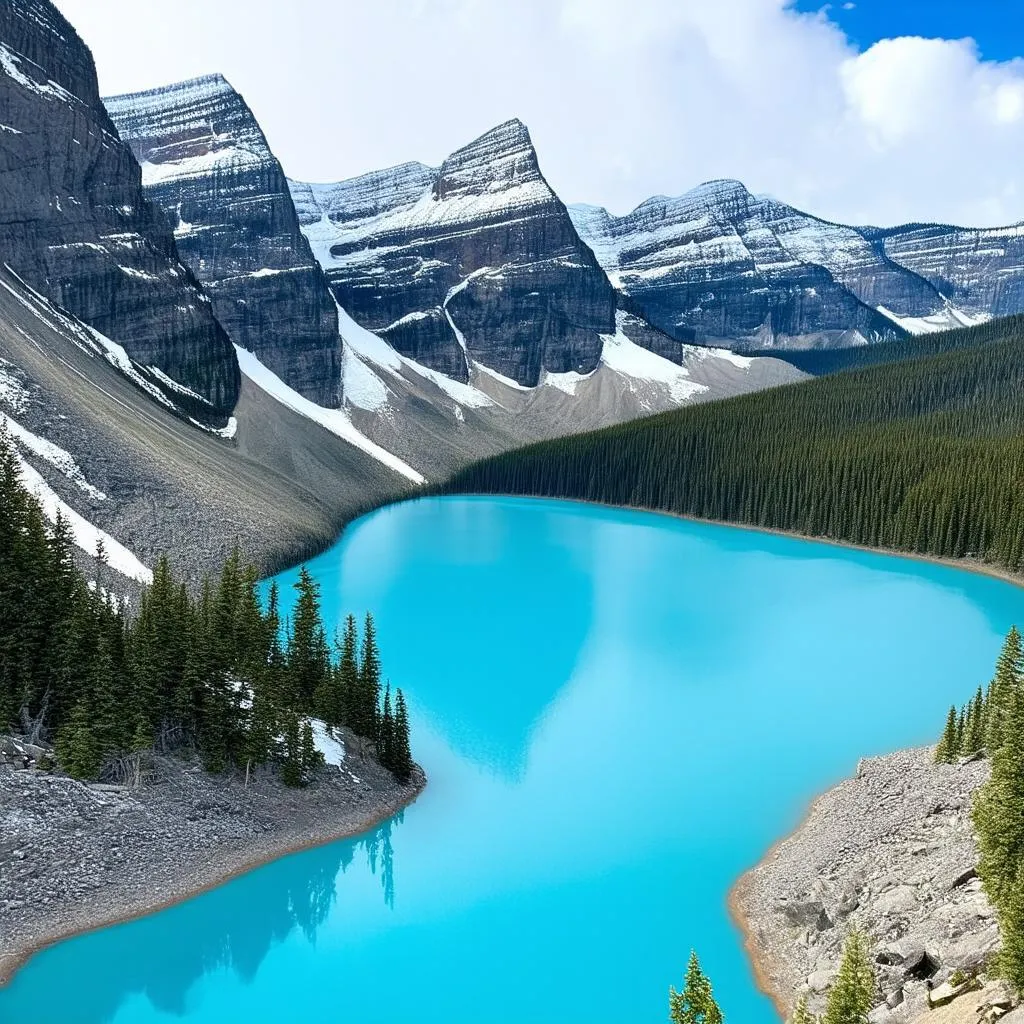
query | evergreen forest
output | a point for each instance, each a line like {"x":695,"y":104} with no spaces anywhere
{"x":213,"y":673}
{"x":991,"y":724}
{"x":920,"y":455}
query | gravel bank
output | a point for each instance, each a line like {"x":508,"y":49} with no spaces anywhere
{"x":890,"y":851}
{"x":74,"y":858}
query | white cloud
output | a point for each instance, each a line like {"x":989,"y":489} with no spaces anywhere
{"x":625,"y":98}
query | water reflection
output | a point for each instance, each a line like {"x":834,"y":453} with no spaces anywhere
{"x":507,"y":649}
{"x":231,"y":928}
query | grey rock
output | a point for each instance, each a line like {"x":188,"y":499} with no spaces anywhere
{"x":207,"y":164}
{"x":477,"y":261}
{"x":895,"y":835}
{"x":980,"y":270}
{"x":721,"y":265}
{"x":75,"y":224}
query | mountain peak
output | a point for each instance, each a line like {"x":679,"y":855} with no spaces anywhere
{"x":190,"y":90}
{"x":500,"y":159}
{"x":201,"y":119}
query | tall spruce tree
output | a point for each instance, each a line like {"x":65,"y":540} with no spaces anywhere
{"x":852,"y":994}
{"x":1005,"y":683}
{"x":401,"y":754}
{"x":999,"y":810}
{"x":946,"y":751}
{"x":348,"y":672}
{"x":386,"y":735}
{"x":696,"y":1003}
{"x":368,"y":702}
{"x":974,"y":736}
{"x":308,"y":656}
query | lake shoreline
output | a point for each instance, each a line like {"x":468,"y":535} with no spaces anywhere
{"x":894,"y":838}
{"x":970,"y":565}
{"x":336,"y":806}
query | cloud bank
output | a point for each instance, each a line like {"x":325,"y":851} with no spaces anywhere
{"x":624,"y":98}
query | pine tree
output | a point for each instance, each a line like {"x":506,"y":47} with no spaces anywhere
{"x":402,"y":764}
{"x":78,"y":752}
{"x":1005,"y":683}
{"x":386,"y":735}
{"x":974,"y":737}
{"x":801,"y":1014}
{"x":1011,"y":928}
{"x":696,"y":1003}
{"x":999,"y":810}
{"x":368,"y":702}
{"x":308,"y":657}
{"x":853,"y":992}
{"x":348,"y":673}
{"x":946,"y":751}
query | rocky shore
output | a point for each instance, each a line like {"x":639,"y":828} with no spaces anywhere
{"x":75,"y":857}
{"x":891,"y":852}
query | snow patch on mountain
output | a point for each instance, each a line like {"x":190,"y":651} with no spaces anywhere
{"x":56,"y":456}
{"x":12,"y":390}
{"x":10,"y":64}
{"x":85,"y":535}
{"x":637,"y":365}
{"x":367,"y":347}
{"x":334,"y":420}
{"x":950,"y":319}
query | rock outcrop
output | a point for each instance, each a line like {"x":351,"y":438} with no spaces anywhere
{"x":76,"y":225}
{"x":890,"y":852}
{"x":721,"y":265}
{"x":979,"y":270}
{"x":206,"y":162}
{"x":476,"y":262}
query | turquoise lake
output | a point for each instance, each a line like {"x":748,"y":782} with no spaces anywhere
{"x":618,"y":713}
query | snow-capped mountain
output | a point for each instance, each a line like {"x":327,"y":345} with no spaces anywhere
{"x":206,"y":162}
{"x":75,"y":224}
{"x":979,"y":270}
{"x":122,"y":394}
{"x":477,"y":261}
{"x":721,"y":265}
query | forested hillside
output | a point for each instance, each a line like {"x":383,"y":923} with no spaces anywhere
{"x":924,"y":455}
{"x":214,"y":673}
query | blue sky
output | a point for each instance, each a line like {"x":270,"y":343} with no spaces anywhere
{"x":995,"y":25}
{"x":878,"y":113}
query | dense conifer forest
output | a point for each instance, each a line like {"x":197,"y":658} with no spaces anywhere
{"x":992,"y":724}
{"x":215,"y":672}
{"x":923,"y":455}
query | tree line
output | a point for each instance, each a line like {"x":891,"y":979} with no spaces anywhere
{"x":215,"y":672}
{"x":922,"y":455}
{"x":992,"y":724}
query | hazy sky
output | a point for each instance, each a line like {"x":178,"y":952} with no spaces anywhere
{"x":624,"y":98}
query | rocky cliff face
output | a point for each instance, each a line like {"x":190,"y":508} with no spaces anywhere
{"x":719,"y":264}
{"x":75,"y":224}
{"x":475,"y":262}
{"x":206,"y":162}
{"x":979,"y":270}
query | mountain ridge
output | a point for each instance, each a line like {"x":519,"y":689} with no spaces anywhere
{"x":206,"y":162}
